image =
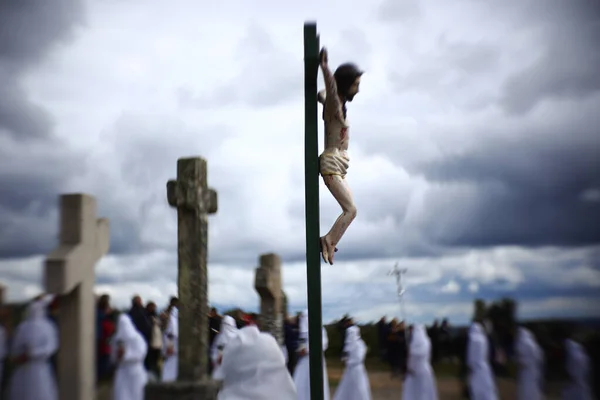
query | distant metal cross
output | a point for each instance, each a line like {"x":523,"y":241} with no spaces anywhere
{"x":398,"y":272}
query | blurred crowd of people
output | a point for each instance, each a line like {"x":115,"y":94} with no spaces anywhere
{"x":148,"y":322}
{"x":393,"y":342}
{"x":141,"y":344}
{"x":152,"y":324}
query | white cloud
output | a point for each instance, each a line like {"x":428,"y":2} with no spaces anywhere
{"x":451,"y":287}
{"x":362,"y":288}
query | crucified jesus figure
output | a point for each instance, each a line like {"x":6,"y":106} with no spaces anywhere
{"x":340,"y":87}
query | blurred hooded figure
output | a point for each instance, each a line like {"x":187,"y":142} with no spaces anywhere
{"x":420,"y":380}
{"x":531,"y":364}
{"x":481,"y":379}
{"x":128,"y":354}
{"x":302,"y":371}
{"x":253,"y":368}
{"x":34,"y":343}
{"x":354,"y":384}
{"x":171,"y":346}
{"x":227,"y":332}
{"x":578,"y":369}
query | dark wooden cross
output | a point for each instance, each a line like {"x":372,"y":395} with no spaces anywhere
{"x":194,"y":201}
{"x":311,"y":196}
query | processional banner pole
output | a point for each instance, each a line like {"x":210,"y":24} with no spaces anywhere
{"x":311,"y":193}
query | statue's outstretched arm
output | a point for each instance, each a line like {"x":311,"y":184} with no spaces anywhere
{"x":332,"y":100}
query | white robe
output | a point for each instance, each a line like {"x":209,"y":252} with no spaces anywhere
{"x":37,"y":337}
{"x":578,"y":369}
{"x":227,"y":332}
{"x":284,"y":351}
{"x":354,"y":384}
{"x":130,"y":375}
{"x":420,"y":380}
{"x":3,"y":353}
{"x":481,"y":379}
{"x":302,"y":370}
{"x":253,"y":368}
{"x":531,"y":364}
{"x":171,"y":364}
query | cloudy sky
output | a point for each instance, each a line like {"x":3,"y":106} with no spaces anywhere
{"x":475,"y":146}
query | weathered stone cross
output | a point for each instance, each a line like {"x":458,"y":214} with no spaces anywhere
{"x":194,"y":201}
{"x":267,"y":283}
{"x":69,"y":271}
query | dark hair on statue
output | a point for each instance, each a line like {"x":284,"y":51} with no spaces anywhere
{"x":345,"y":75}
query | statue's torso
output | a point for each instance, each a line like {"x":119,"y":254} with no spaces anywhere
{"x":337,"y":131}
{"x":334,"y":159}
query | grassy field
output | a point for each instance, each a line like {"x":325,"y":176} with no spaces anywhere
{"x":386,"y":387}
{"x":446,"y":369}
{"x":380,"y":376}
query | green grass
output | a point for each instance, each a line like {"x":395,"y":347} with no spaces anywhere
{"x":446,"y":369}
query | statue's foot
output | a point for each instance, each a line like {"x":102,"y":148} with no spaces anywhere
{"x":321,"y":245}
{"x":323,"y":249}
{"x":327,"y":250}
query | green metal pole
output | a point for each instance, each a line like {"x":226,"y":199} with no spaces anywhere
{"x":311,"y":192}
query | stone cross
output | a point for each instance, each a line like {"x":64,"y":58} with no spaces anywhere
{"x":194,"y":201}
{"x":267,"y":283}
{"x":69,"y":272}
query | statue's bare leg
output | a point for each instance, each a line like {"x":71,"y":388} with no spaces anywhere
{"x":341,"y":192}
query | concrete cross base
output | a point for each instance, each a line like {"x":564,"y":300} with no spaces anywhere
{"x":202,"y":390}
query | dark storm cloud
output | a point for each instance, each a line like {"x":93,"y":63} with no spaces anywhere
{"x":29,"y":30}
{"x":34,"y":166}
{"x":27,"y":212}
{"x":522,"y":192}
{"x":527,"y":182}
{"x":32,"y":174}
{"x":569,"y":63}
{"x":19,"y":118}
{"x":125,"y":231}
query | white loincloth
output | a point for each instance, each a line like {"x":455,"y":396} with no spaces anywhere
{"x":334,"y":163}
